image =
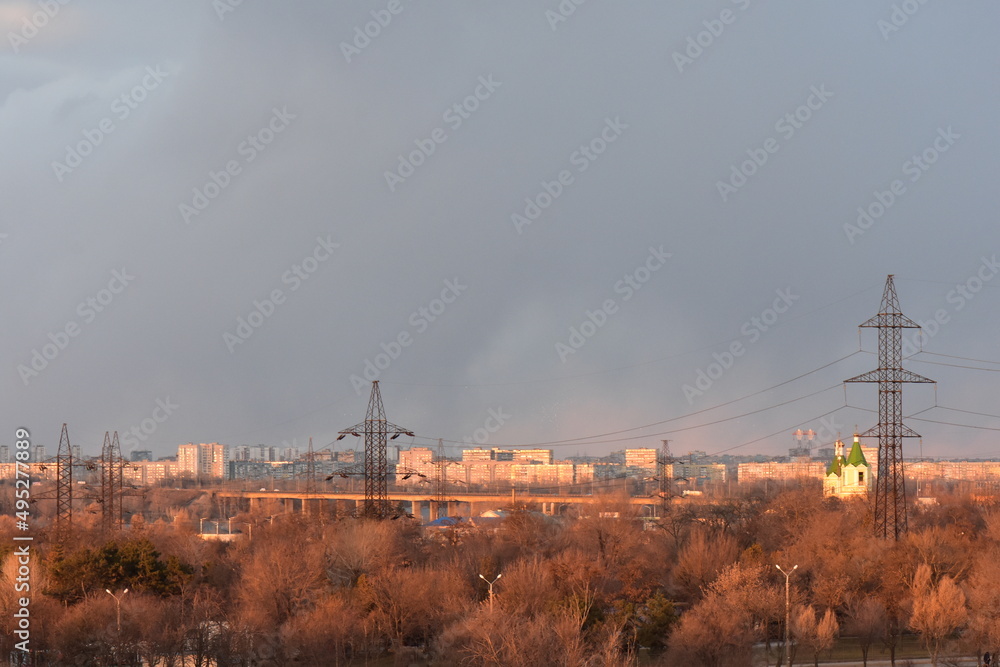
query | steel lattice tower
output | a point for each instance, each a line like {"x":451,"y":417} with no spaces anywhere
{"x":112,"y":487}
{"x":440,"y":479}
{"x":107,"y":496}
{"x":661,"y":464}
{"x":310,"y":469}
{"x":64,"y":486}
{"x":890,"y":491}
{"x":377,"y":432}
{"x":441,"y":463}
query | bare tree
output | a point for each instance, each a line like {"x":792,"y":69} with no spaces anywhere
{"x":701,"y":560}
{"x":408,"y":605}
{"x":867,"y":621}
{"x":677,"y":520}
{"x":279,"y":579}
{"x":938,"y":610}
{"x":714,"y":634}
{"x":816,"y":633}
{"x":364,"y":547}
{"x":720,"y":630}
{"x":983,"y":591}
{"x":327,"y":634}
{"x":86,"y":632}
{"x":499,"y":638}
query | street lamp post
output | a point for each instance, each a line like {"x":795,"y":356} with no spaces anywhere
{"x":490,"y":584}
{"x":787,"y":607}
{"x":118,"y":616}
{"x":118,"y":605}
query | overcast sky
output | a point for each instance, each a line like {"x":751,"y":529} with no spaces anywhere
{"x":550,"y":219}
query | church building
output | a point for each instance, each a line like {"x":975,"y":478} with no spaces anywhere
{"x":847,"y":477}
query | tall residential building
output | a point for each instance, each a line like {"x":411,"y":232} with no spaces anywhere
{"x":492,"y":468}
{"x":419,"y":460}
{"x":543,"y":456}
{"x":203,"y":461}
{"x":478,"y":454}
{"x":147,"y":473}
{"x":259,"y":453}
{"x":699,"y":472}
{"x":554,"y":474}
{"x":642,"y":458}
{"x":780,"y":470}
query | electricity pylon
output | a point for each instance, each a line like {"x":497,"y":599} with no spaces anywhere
{"x":441,"y":463}
{"x":890,"y":490}
{"x":310,"y":469}
{"x":112,"y":487}
{"x":665,"y":478}
{"x":441,"y":478}
{"x":64,"y":487}
{"x":377,"y":431}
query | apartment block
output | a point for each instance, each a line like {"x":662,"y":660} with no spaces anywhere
{"x":149,"y":473}
{"x":203,"y":461}
{"x":644,"y":458}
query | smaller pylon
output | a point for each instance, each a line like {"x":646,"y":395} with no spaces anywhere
{"x":64,"y":487}
{"x":310,"y":469}
{"x":665,"y":460}
{"x":441,"y":478}
{"x":112,"y":486}
{"x":107,"y":498}
{"x":119,"y":481}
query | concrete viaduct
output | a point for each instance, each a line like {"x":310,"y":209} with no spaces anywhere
{"x":461,"y":504}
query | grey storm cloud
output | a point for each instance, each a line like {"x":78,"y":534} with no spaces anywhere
{"x":599,"y":220}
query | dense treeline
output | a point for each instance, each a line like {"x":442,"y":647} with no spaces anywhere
{"x":696,"y":586}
